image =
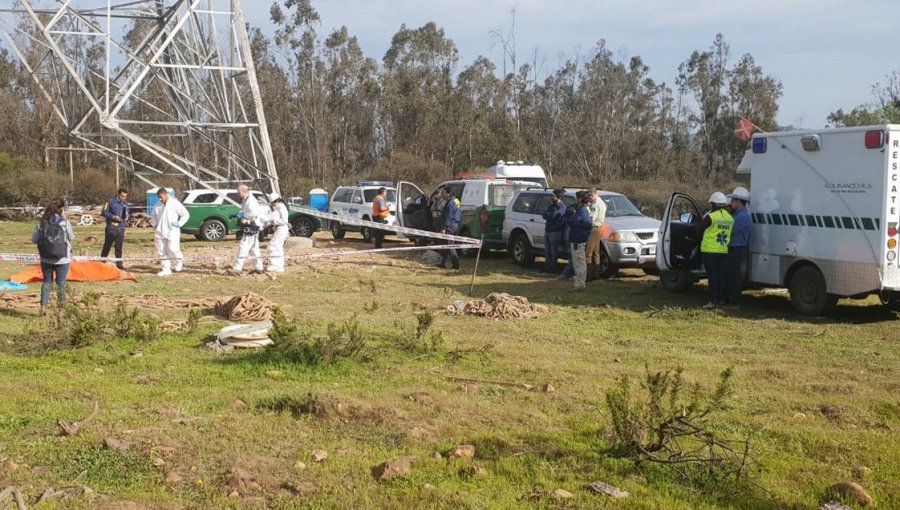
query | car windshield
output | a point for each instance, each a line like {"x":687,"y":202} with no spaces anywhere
{"x":619,"y":205}
{"x":370,"y":195}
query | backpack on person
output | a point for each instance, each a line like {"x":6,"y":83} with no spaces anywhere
{"x":53,"y":243}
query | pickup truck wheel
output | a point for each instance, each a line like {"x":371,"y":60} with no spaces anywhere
{"x":650,"y":271}
{"x":302,"y":226}
{"x":467,"y":252}
{"x":366,"y":231}
{"x":677,"y":280}
{"x":336,"y":231}
{"x":808,"y":291}
{"x":520,"y":249}
{"x":606,"y":268}
{"x":213,"y":230}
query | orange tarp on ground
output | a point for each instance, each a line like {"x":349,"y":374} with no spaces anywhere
{"x":78,"y":272}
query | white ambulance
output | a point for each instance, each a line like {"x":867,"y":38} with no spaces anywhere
{"x":825,"y":208}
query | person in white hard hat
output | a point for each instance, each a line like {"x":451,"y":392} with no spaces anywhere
{"x":716,"y":234}
{"x":169,"y":215}
{"x":738,"y":246}
{"x":278,"y":220}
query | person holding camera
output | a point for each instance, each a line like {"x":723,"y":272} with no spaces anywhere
{"x":250,"y":220}
{"x":278,"y":223}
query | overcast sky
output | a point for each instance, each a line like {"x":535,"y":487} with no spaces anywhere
{"x":827,"y":53}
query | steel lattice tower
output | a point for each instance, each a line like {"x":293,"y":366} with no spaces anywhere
{"x":167,"y":86}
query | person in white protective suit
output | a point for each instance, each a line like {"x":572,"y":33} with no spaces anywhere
{"x":278,"y":220}
{"x":169,"y":215}
{"x":250,"y":219}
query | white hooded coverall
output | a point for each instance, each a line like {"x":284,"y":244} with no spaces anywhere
{"x":249,"y":244}
{"x":279,"y":218}
{"x":167,"y":220}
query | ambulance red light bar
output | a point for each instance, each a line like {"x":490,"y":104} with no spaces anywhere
{"x":892,"y":231}
{"x":874,"y":139}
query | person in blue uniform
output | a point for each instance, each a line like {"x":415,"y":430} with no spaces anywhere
{"x":116,"y":213}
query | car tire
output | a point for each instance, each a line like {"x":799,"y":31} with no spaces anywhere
{"x":468,"y":253}
{"x":303,"y":226}
{"x":213,"y":230}
{"x":336,"y":231}
{"x":808,"y":292}
{"x":676,"y":280}
{"x":521,"y":250}
{"x":366,"y":231}
{"x":606,"y":268}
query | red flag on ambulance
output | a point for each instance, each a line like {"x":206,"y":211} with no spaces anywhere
{"x":744,"y":129}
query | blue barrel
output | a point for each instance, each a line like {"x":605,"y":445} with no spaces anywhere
{"x":318,"y":199}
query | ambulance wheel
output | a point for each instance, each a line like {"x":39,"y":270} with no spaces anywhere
{"x":336,"y":231}
{"x":678,"y":280}
{"x":213,"y":230}
{"x":809,"y":294}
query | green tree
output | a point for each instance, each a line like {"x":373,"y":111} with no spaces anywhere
{"x":883,"y":109}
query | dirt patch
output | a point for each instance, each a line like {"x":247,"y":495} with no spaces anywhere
{"x":327,"y":407}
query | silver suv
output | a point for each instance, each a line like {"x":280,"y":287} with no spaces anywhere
{"x":629,"y":237}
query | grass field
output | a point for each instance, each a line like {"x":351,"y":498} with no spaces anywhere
{"x":817,"y":398}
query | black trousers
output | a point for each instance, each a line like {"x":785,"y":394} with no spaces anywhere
{"x":378,"y":235}
{"x":735,"y":272}
{"x":117,"y":238}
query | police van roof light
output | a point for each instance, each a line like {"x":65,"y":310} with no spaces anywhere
{"x":874,"y":139}
{"x":759,"y":145}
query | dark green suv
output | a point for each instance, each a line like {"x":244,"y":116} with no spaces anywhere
{"x":213,"y":217}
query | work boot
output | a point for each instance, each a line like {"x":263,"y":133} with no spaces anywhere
{"x":43,"y":312}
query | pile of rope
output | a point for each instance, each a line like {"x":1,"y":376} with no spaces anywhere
{"x":499,"y":305}
{"x":249,"y":307}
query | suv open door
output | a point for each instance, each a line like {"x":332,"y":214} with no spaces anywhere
{"x":678,"y":249}
{"x":413,"y":209}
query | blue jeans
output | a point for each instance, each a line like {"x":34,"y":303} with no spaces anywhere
{"x":51,"y":272}
{"x":715,"y":265}
{"x":552,"y":241}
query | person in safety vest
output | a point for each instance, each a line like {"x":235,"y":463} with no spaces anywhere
{"x":277,"y":219}
{"x":250,"y":219}
{"x":169,"y":215}
{"x":738,"y":247}
{"x":451,"y":218}
{"x":380,"y":214}
{"x":715,"y":231}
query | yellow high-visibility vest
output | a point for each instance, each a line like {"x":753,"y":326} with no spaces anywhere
{"x":718,"y":234}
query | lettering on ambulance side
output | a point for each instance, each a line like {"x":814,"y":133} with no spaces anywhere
{"x":892,"y":216}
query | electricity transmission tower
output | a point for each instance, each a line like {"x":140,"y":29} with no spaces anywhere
{"x":166,"y":87}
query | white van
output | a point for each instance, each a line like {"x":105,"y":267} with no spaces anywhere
{"x":825,"y":208}
{"x":519,"y":171}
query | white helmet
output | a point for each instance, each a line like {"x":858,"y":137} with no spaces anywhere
{"x":740,"y":193}
{"x":718,"y":198}
{"x":273,"y":197}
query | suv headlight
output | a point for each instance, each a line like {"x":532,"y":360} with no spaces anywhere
{"x":623,"y":237}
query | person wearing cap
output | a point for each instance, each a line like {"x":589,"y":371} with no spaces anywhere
{"x":715,"y":231}
{"x":738,"y":246}
{"x":554,"y":229}
{"x":579,"y":222}
{"x":380,"y":214}
{"x":169,"y":215}
{"x":277,"y":220}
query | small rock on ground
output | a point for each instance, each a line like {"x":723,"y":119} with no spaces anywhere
{"x":479,"y":471}
{"x":463,"y":451}
{"x":173,"y":477}
{"x":469,"y":388}
{"x":238,"y":405}
{"x":562,"y":494}
{"x":834,"y":505}
{"x":318,"y":455}
{"x":852,"y":491}
{"x":300,"y":465}
{"x":111,"y":443}
{"x":608,"y":490}
{"x":393,"y":468}
{"x":157,"y":462}
{"x":860,"y":472}
{"x":437,"y":456}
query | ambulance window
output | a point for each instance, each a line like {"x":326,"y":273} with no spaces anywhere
{"x":856,"y":224}
{"x":810,"y":220}
{"x":776,"y":219}
{"x":793,"y":219}
{"x":829,"y":223}
{"x":867,"y":224}
{"x":848,"y":222}
{"x":759,"y":218}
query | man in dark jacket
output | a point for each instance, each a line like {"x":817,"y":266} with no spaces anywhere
{"x":554,"y":230}
{"x":116,"y":213}
{"x":451,"y":218}
{"x":579,"y":223}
